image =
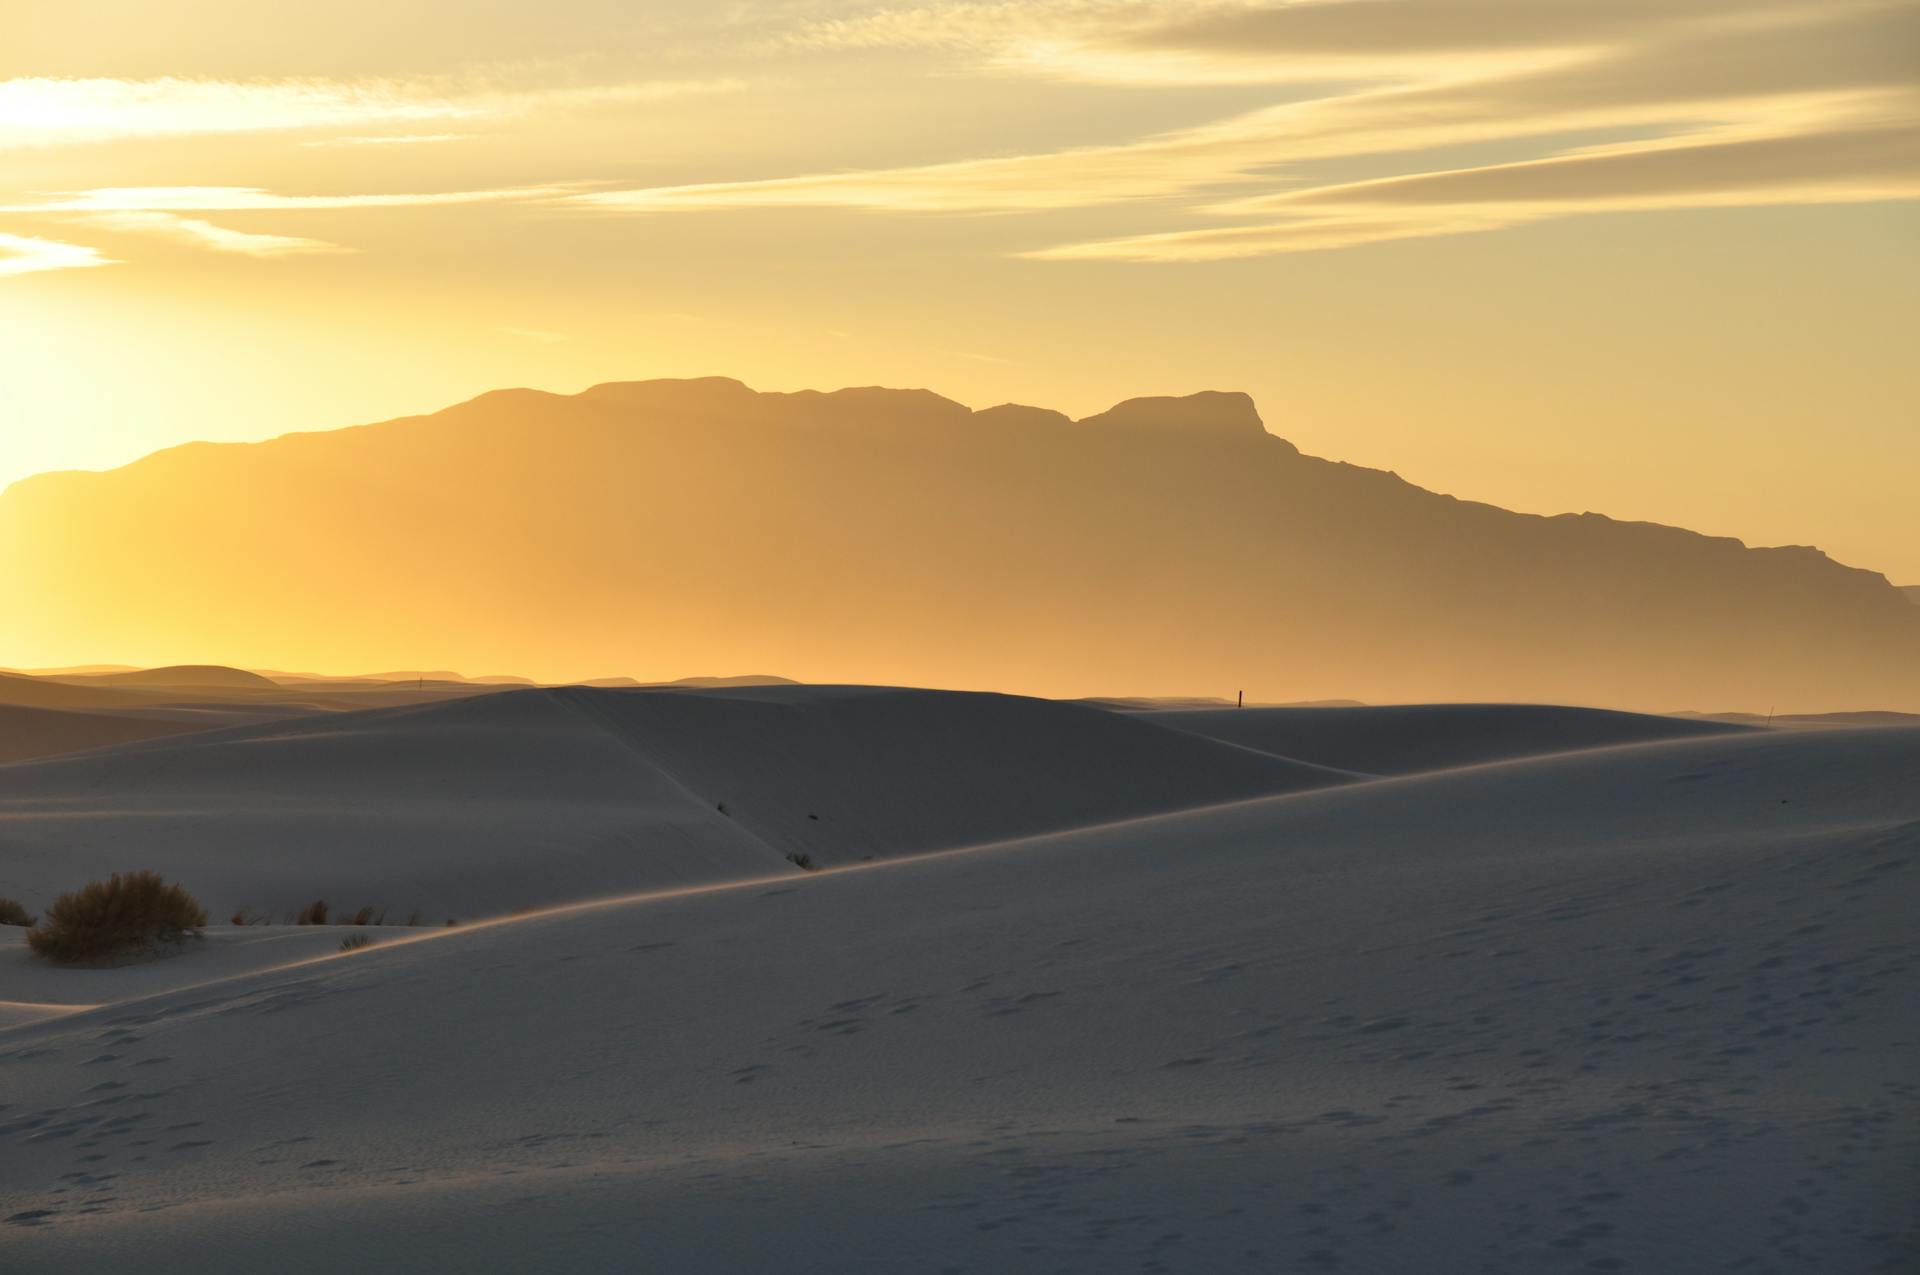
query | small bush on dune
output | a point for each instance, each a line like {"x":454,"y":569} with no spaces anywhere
{"x":315,"y":913}
{"x":134,"y":912}
{"x":11,"y":913}
{"x":354,"y":942}
{"x":804,"y":862}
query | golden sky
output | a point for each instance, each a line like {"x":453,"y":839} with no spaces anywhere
{"x":1655,"y":258}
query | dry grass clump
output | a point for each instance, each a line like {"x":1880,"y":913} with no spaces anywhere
{"x":11,"y":913}
{"x":315,"y":913}
{"x":355,"y":941}
{"x":804,"y":862}
{"x":135,"y":912}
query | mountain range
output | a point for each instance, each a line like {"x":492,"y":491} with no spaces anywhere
{"x":1168,"y":546}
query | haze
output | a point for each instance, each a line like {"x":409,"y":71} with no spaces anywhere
{"x":980,"y":637}
{"x":1653,"y":260}
{"x":1166,"y":546}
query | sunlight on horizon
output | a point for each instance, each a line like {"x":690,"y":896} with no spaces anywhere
{"x":1646,"y":260}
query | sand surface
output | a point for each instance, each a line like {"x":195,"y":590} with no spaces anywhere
{"x":487,"y":804}
{"x":1649,"y":1007}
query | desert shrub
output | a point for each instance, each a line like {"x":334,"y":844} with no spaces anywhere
{"x":363,"y":917}
{"x":11,"y":913}
{"x":315,"y":913}
{"x":354,"y":942}
{"x":417,"y":917}
{"x":137,"y":911}
{"x":804,"y":862}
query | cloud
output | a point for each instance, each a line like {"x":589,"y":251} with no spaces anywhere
{"x":51,"y":112}
{"x":24,"y":254}
{"x":390,"y":139}
{"x":256,"y":199}
{"x":157,"y":211}
{"x":1833,"y":166}
{"x":204,"y":234}
{"x":1397,"y":28}
{"x":1717,"y":103}
{"x":1147,"y":42}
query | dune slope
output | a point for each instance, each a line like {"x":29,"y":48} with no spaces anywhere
{"x":29,"y":733}
{"x":490,"y":803}
{"x":1402,"y":739}
{"x":1647,"y":1008}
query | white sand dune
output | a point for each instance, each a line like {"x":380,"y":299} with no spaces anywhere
{"x":1403,"y":739}
{"x":36,"y":989}
{"x":1644,"y":1008}
{"x":491,"y":803}
{"x":30,"y":733}
{"x":39,"y":692}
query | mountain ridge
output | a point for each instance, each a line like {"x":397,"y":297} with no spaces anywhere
{"x":870,"y":534}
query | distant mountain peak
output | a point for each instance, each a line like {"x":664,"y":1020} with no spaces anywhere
{"x":1165,"y":545}
{"x":1209,"y":411}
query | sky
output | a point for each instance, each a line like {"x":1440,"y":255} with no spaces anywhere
{"x":1652,"y":258}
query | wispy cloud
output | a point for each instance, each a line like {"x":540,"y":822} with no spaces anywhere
{"x":1744,"y":102}
{"x":390,"y":139}
{"x":159,"y":211}
{"x":45,"y":111}
{"x":204,"y":234}
{"x":256,"y":199}
{"x":1835,"y":164}
{"x":25,"y":254}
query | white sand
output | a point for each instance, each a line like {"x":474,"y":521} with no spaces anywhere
{"x":483,"y":805}
{"x":1403,"y":739}
{"x":1645,"y":1008}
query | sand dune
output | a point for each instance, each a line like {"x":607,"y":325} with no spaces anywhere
{"x":1639,"y":1008}
{"x":175,"y":677}
{"x":36,"y":692}
{"x":1405,"y":738}
{"x":28,"y":733}
{"x":488,"y":803}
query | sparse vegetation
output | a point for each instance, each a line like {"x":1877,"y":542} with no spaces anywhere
{"x":355,"y":941}
{"x":416,"y":917}
{"x":125,"y":914}
{"x":315,"y":913}
{"x":804,"y":862}
{"x":11,"y":913}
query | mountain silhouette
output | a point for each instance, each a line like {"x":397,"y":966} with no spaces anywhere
{"x":1168,"y":546}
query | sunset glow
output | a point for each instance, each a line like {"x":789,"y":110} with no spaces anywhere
{"x":1357,"y":210}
